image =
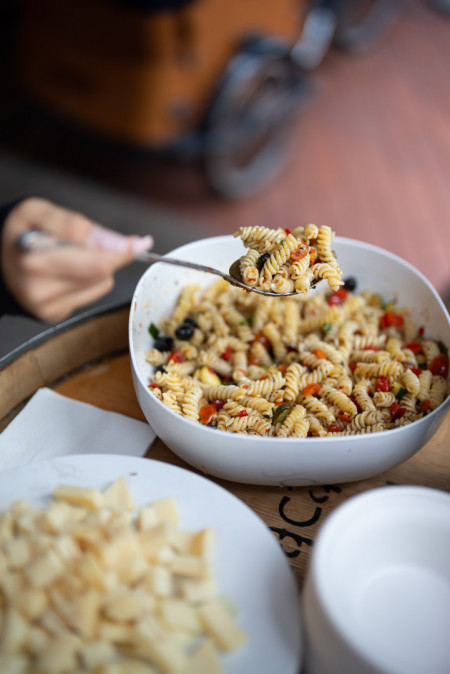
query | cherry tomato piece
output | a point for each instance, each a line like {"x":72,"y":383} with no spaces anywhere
{"x":389,"y":318}
{"x":262,"y":339}
{"x":311,"y":389}
{"x":383,"y":384}
{"x":227,"y":378}
{"x":175,"y":357}
{"x":337,"y":297}
{"x":300,"y":252}
{"x":355,"y":402}
{"x":207,"y":412}
{"x":227,"y":353}
{"x":415,"y":347}
{"x":439,"y":366}
{"x":425,"y":405}
{"x":396,"y":411}
{"x":416,"y":370}
{"x":334,"y":428}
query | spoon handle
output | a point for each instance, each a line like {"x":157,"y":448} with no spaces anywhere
{"x":232,"y":280}
{"x":154,"y":257}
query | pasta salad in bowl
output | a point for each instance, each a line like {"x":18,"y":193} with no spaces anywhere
{"x":303,"y":390}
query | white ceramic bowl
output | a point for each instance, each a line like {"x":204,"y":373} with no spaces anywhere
{"x":282,"y":461}
{"x":377,"y":592}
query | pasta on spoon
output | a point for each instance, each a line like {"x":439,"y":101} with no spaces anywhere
{"x":281,"y":261}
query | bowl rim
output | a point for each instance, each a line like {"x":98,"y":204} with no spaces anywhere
{"x":318,"y":578}
{"x":286,"y":441}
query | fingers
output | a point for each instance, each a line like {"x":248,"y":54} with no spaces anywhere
{"x":60,"y":305}
{"x":76,"y":265}
{"x":37,"y":213}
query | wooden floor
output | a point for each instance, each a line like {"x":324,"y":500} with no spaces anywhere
{"x":371,"y":153}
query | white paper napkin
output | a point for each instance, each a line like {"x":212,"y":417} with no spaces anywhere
{"x":53,"y":425}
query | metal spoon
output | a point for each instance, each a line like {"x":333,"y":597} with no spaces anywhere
{"x":35,"y":240}
{"x":234,"y":277}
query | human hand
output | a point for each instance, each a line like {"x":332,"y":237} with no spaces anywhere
{"x":51,"y":284}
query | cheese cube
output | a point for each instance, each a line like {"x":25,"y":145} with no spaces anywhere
{"x":14,"y":631}
{"x":197,"y":591}
{"x":123,"y":606}
{"x":189,"y":565}
{"x":204,"y":660}
{"x":219,"y":624}
{"x":166,"y":510}
{"x":45,"y":569}
{"x":117,"y":495}
{"x":13,"y":664}
{"x":31,"y":602}
{"x":203,"y":543}
{"x":60,"y":655}
{"x":127,"y":666}
{"x":6,"y":527}
{"x":179,"y":615}
{"x":37,"y":640}
{"x":85,"y":497}
{"x":97,"y":653}
{"x":17,"y":551}
{"x":159,"y":581}
{"x":60,"y":515}
{"x":163,"y":650}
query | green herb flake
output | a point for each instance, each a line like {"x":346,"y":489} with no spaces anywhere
{"x":327,"y":327}
{"x":400,"y":393}
{"x":280,"y":413}
{"x":376,"y":301}
{"x":153,"y":330}
{"x":442,"y":348}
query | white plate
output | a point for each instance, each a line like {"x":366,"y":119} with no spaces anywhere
{"x":249,"y":565}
